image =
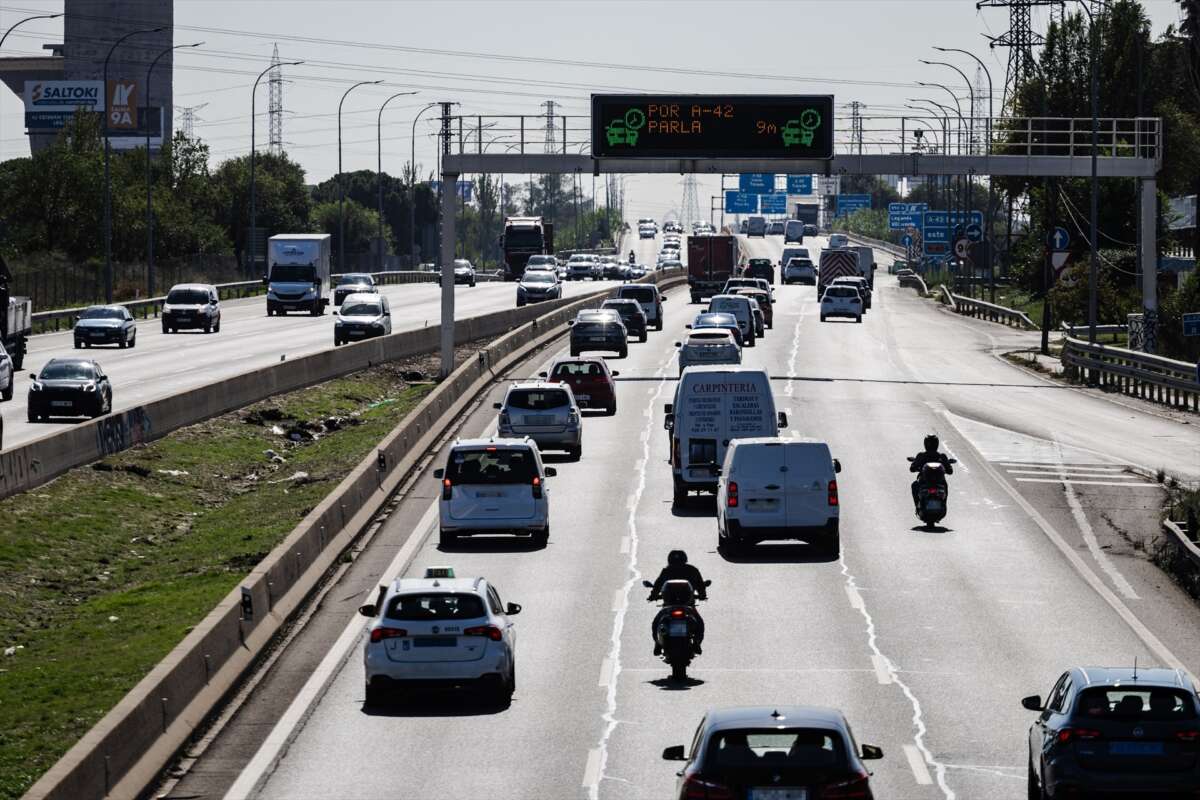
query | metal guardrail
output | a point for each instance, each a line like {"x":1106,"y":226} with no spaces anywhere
{"x":1181,"y":534}
{"x":988,"y":311}
{"x":1078,"y":331}
{"x":1150,"y":377}
{"x":915,"y":281}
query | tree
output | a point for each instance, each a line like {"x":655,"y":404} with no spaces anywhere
{"x":361,"y":225}
{"x":282,"y":199}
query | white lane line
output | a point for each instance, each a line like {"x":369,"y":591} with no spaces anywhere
{"x":254,"y":775}
{"x":856,"y":601}
{"x":1056,"y":467}
{"x":1078,"y":473}
{"x":624,"y":545}
{"x":618,"y":599}
{"x":795,"y":354}
{"x":1089,"y":537}
{"x":591,"y":773}
{"x":606,"y":675}
{"x":1130,"y":484}
{"x":917,"y":765}
{"x":881,"y":670}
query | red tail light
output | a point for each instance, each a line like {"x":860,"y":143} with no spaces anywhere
{"x":677,"y":612}
{"x":537,"y":487}
{"x":446,"y":488}
{"x":1070,"y":734}
{"x":379,"y":634}
{"x":933,"y":490}
{"x":833,"y":496}
{"x":490,"y":631}
{"x":732,"y":493}
{"x":675,"y":452}
{"x":856,"y":788}
{"x":696,"y":788}
{"x":1187,"y":736}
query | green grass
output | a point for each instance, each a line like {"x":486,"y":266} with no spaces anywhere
{"x":107,"y":568}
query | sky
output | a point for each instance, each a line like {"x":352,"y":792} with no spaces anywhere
{"x":491,"y":57}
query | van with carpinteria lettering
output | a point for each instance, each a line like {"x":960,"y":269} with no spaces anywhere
{"x":713,"y":406}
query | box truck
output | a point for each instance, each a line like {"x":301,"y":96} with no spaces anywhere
{"x":297,"y":276}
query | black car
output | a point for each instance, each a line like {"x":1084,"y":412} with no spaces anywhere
{"x":720,"y":320}
{"x":537,"y":285}
{"x":631,"y":314}
{"x":761,"y":268}
{"x":599,"y":329}
{"x":811,"y":230}
{"x":1127,"y":731}
{"x":774,"y":751}
{"x":105,"y":325}
{"x":353,"y":283}
{"x":69,"y":387}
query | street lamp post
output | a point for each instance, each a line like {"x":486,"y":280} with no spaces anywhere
{"x":22,"y":22}
{"x":108,"y":270}
{"x":1093,"y":221}
{"x":945,"y":112}
{"x":412,"y":200}
{"x":149,"y":184}
{"x":970,"y":148}
{"x":253,"y":195}
{"x":379,"y":168}
{"x":341,"y":183}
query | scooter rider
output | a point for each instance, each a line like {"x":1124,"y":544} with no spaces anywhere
{"x":678,"y":568}
{"x":632,"y":257}
{"x":929,"y":455}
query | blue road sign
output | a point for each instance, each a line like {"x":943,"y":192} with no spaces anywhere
{"x":799,"y":184}
{"x":849,"y":203}
{"x":906,"y":215}
{"x":906,"y":240}
{"x":772,"y":203}
{"x":907,"y":208}
{"x":757,"y":182}
{"x":937,"y":235}
{"x":1059,"y":239}
{"x":740,"y":203}
{"x":1191,"y":324}
{"x":974,"y":232}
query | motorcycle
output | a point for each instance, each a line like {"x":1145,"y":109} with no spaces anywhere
{"x":676,"y":625}
{"x":932,"y":492}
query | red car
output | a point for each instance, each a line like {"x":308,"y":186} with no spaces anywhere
{"x":589,"y":378}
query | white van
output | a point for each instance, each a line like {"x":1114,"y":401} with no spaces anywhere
{"x":740,"y":307}
{"x":778,"y":488}
{"x":714,"y":406}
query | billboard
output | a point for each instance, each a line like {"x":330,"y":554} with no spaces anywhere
{"x":121,"y":112}
{"x":63,"y":96}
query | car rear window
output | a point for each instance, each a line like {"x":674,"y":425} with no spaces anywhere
{"x":643,"y":294}
{"x":103,"y":313}
{"x":356,"y":278}
{"x":1125,"y":703}
{"x":435,"y":606}
{"x":576,"y":369}
{"x":841,"y":291}
{"x":768,"y":749}
{"x":727,"y":304}
{"x":491,"y":466}
{"x":537,"y":399}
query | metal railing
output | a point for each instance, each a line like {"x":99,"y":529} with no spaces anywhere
{"x":1149,"y":377}
{"x":1078,"y":331}
{"x":991,"y":312}
{"x":915,"y":281}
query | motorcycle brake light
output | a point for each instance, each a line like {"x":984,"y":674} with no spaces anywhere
{"x":677,"y":612}
{"x":933,"y":490}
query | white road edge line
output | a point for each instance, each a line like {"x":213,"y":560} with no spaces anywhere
{"x":606,"y":673}
{"x":917,"y":764}
{"x":252,"y":777}
{"x":1116,"y":475}
{"x":881,"y":670}
{"x":591,"y":773}
{"x":1129,"y":484}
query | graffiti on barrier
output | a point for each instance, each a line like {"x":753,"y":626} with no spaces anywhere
{"x":117,"y":433}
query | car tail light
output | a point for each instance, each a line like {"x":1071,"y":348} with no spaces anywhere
{"x":696,"y":788}
{"x":537,"y":487}
{"x":379,"y":634}
{"x":1187,"y":736}
{"x":505,"y":420}
{"x":732,"y":494}
{"x":856,"y":788}
{"x":833,"y":496}
{"x":675,"y":451}
{"x":447,"y":488}
{"x":1070,"y":734}
{"x":490,"y":631}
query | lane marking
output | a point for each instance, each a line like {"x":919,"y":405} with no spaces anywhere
{"x":1052,"y":467}
{"x":917,"y":765}
{"x":881,"y":670}
{"x":591,"y":773}
{"x":1115,"y":475}
{"x":1089,"y":537}
{"x":255,"y":774}
{"x":1131,"y":484}
{"x":856,"y":601}
{"x":606,"y":675}
{"x":618,"y":599}
{"x":624,"y":545}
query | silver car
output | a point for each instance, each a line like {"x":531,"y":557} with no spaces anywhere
{"x":708,"y":346}
{"x":546,"y":413}
{"x":362,"y":316}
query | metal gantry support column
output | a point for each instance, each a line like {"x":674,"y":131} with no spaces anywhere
{"x":449,"y":179}
{"x":1149,"y":262}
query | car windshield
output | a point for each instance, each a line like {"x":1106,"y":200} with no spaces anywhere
{"x":187,"y":297}
{"x":102,"y":313}
{"x":361,"y":310}
{"x":435,"y":606}
{"x":67,"y":371}
{"x":293,"y":273}
{"x":774,"y":749}
{"x":577,"y":369}
{"x":346,"y":280}
{"x":536,"y":399}
{"x":538,"y":277}
{"x":1140,"y":703}
{"x":491,"y":465}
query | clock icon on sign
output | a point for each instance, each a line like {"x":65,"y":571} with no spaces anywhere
{"x":810,"y":119}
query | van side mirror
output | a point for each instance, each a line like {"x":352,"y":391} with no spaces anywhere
{"x":679,"y":344}
{"x":551,"y":472}
{"x":367,"y":610}
{"x":953,"y":460}
{"x":33,"y":376}
{"x":497,"y":406}
{"x":871,"y":753}
{"x":543,"y":375}
{"x":708,"y":583}
{"x":648,"y":584}
{"x":669,"y":422}
{"x":783,"y":419}
{"x":439,"y":473}
{"x":1033,"y":702}
{"x":512,"y":609}
{"x":674,"y":753}
{"x":837,"y":465}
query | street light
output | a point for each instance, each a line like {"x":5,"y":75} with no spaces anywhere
{"x":379,"y":167}
{"x":412,"y":190}
{"x":108,"y":271}
{"x":22,"y":22}
{"x":341,"y":183}
{"x":970,"y":145}
{"x":1093,"y":221}
{"x":253,"y":120}
{"x":945,"y":112}
{"x":149,"y":185}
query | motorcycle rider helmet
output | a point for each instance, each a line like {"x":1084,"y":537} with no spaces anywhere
{"x":931,"y":443}
{"x":677,"y":558}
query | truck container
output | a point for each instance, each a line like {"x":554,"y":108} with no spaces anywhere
{"x":809,"y":213}
{"x":298,"y":276}
{"x":524,"y":237}
{"x":712,"y":260}
{"x":16,"y":325}
{"x":840,"y":263}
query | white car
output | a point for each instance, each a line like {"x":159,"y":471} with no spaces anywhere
{"x":362,"y":316}
{"x":439,"y":631}
{"x":837,"y":240}
{"x":494,"y":485}
{"x":545,"y":412}
{"x":708,"y":346}
{"x":841,"y":300}
{"x":579,"y":267}
{"x":7,"y":374}
{"x":647,"y":231}
{"x":740,"y":307}
{"x":800,"y":270}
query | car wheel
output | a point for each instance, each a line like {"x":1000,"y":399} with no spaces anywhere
{"x":133,"y":342}
{"x":32,"y":417}
{"x":165,"y":329}
{"x":78,"y":345}
{"x":658,"y":325}
{"x":337,"y":342}
{"x":611,"y":411}
{"x":207,"y":328}
{"x":520,"y":303}
{"x":574,"y":353}
{"x":623,"y":352}
{"x":858,"y":319}
{"x":7,"y":392}
{"x":695,"y":298}
{"x":575,"y":453}
{"x":87,"y":345}
{"x":540,"y":538}
{"x":217,"y":327}
{"x":679,"y":494}
{"x":447,"y":539}
{"x":822,"y":318}
{"x":123,"y":343}
{"x":645,"y":337}
{"x":1033,"y":787}
{"x":833,"y":544}
{"x":373,"y":696}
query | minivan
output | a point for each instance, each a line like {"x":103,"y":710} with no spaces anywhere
{"x":773,"y":488}
{"x":756,"y":226}
{"x":793,"y":231}
{"x":712,"y":407}
{"x":651,"y":300}
{"x":192,"y":306}
{"x":738,"y":306}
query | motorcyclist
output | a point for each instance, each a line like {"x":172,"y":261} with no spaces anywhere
{"x":678,"y":568}
{"x":632,"y":257}
{"x":929,"y":455}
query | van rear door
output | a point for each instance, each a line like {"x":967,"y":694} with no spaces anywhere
{"x":761,"y":473}
{"x":809,"y":471}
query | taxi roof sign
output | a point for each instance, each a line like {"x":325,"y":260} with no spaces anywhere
{"x":439,"y":572}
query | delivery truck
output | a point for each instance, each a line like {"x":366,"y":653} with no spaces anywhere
{"x":16,"y":320}
{"x":524,"y":237}
{"x":712,"y":260}
{"x":297,"y":276}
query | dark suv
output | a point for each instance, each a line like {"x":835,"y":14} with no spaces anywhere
{"x":599,"y":329}
{"x":761,"y":268}
{"x":1132,"y":732}
{"x":631,"y":314}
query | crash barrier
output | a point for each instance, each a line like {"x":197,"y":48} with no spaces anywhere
{"x":1180,"y":533}
{"x":64,"y":318}
{"x":29,"y":465}
{"x":125,"y":752}
{"x":991,"y":312}
{"x":1079,"y":331}
{"x":915,"y":281}
{"x":1150,"y":377}
{"x":892,"y":249}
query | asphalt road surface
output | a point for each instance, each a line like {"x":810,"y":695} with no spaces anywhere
{"x":925,"y":640}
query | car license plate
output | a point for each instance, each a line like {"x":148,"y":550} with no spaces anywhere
{"x":354,"y":334}
{"x":435,"y":641}
{"x":677,"y":629}
{"x":539,"y":419}
{"x":595,"y":338}
{"x":1135,"y":748}
{"x":96,"y":334}
{"x":583,"y":398}
{"x":774,"y":793}
{"x":488,"y":494}
{"x":61,"y":403}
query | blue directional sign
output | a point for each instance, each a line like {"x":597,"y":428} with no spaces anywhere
{"x":1191,"y":324}
{"x":741,"y":203}
{"x":905,"y":215}
{"x":799,"y":184}
{"x":772,"y":203}
{"x":1059,"y":239}
{"x":849,"y":203}
{"x":937,"y":234}
{"x":757,"y":182}
{"x":906,"y":240}
{"x":974,"y":232}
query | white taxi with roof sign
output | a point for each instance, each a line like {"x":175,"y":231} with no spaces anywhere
{"x":440,"y":631}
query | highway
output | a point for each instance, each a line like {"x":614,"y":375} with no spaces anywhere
{"x":165,"y":364}
{"x":925,"y":640}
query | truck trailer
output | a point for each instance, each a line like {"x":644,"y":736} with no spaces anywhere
{"x":712,"y":260}
{"x":298,"y":277}
{"x":16,"y":320}
{"x":524,"y":237}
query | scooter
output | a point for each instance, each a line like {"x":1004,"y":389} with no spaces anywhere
{"x":676,"y":624}
{"x":932,"y":492}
